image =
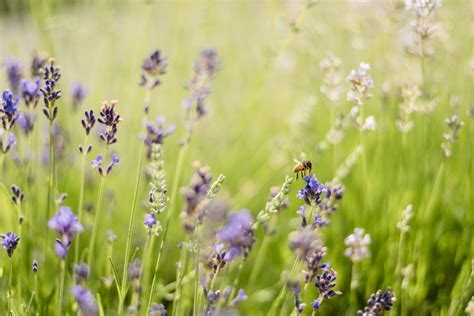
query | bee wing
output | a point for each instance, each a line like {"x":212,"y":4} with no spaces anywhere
{"x":296,"y":160}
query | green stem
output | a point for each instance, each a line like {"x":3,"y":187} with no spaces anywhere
{"x":97,"y":215}
{"x":61,"y":287}
{"x":130,"y":226}
{"x":81,"y":196}
{"x":434,"y":192}
{"x":281,"y":295}
{"x":179,"y":280}
{"x":236,"y":279}
{"x":174,"y":192}
{"x":261,"y":255}
{"x":10,"y":286}
{"x":196,"y":268}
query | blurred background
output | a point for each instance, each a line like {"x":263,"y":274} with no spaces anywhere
{"x":267,"y":107}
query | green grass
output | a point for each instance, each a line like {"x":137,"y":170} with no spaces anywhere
{"x":260,"y":118}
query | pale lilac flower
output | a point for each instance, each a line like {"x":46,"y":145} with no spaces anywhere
{"x":66,"y":224}
{"x":85,"y":300}
{"x":241,"y":296}
{"x":357,"y":245}
{"x":30,"y":92}
{"x":78,"y":94}
{"x":238,"y":233}
{"x":14,"y":73}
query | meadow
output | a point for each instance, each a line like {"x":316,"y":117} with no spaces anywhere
{"x":177,"y":194}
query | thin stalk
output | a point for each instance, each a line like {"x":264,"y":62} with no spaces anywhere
{"x":353,"y":287}
{"x":434,"y":192}
{"x":261,"y":255}
{"x":281,"y":294}
{"x":174,"y":192}
{"x":61,"y":287}
{"x":10,"y":285}
{"x":81,"y":196}
{"x":196,"y":268}
{"x":237,"y":279}
{"x":97,"y":215}
{"x":130,"y":226}
{"x":179,"y":280}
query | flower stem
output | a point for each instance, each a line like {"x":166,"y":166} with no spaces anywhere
{"x":174,"y":193}
{"x":261,"y":255}
{"x":81,"y":196}
{"x":281,"y":295}
{"x":61,"y":287}
{"x":97,"y":215}
{"x":10,"y":286}
{"x":181,"y":268}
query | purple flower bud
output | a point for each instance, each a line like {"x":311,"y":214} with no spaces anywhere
{"x":30,"y":92}
{"x":14,"y":73}
{"x":10,"y":242}
{"x":150,"y":220}
{"x":78,"y":94}
{"x":241,"y":296}
{"x":66,"y":224}
{"x":85,"y":300}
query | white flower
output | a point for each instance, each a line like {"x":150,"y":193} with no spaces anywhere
{"x":357,"y":244}
{"x":369,"y":124}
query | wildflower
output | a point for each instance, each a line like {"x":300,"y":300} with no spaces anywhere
{"x":81,"y":272}
{"x":369,"y":124}
{"x":378,"y":303}
{"x":134,"y":270}
{"x":35,"y":266}
{"x":10,"y":242}
{"x":157,"y":310}
{"x":238,"y":233}
{"x":454,"y":124}
{"x":195,"y":196}
{"x":10,"y":142}
{"x":51,"y":94}
{"x":407,"y":214}
{"x":26,"y":121}
{"x":153,"y":66}
{"x":298,"y":304}
{"x":309,"y":249}
{"x":111,"y":237}
{"x":9,"y":110}
{"x":278,"y":200}
{"x":97,"y":163}
{"x":207,"y":63}
{"x":155,"y":134}
{"x":241,"y":296}
{"x":14,"y":73}
{"x":30,"y":92}
{"x":220,"y":257}
{"x":85,"y":300}
{"x":357,"y":245}
{"x":332,"y":78}
{"x":18,"y":195}
{"x":325,"y":282}
{"x":470,"y":307}
{"x":312,"y":192}
{"x":78,"y":94}
{"x":37,"y":64}
{"x":301,"y":212}
{"x":66,"y":224}
{"x":361,"y":82}
{"x":109,"y":118}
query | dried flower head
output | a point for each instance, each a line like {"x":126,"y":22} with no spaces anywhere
{"x":357,"y":245}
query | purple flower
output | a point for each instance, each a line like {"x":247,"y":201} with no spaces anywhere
{"x":14,"y":73}
{"x":78,"y":94}
{"x":10,"y":241}
{"x":85,"y":300}
{"x":312,"y":192}
{"x":30,"y":91}
{"x":26,"y":122}
{"x":10,"y":143}
{"x":9,"y":109}
{"x":378,"y":303}
{"x":238,"y":233}
{"x":157,"y":310}
{"x":153,"y":66}
{"x":301,"y":212}
{"x":150,"y":220}
{"x":325,"y":282}
{"x":81,"y":272}
{"x":97,"y":163}
{"x":298,"y":304}
{"x":37,"y":64}
{"x":155,"y":134}
{"x":51,"y":94}
{"x":109,"y":119}
{"x":66,"y":224}
{"x":207,"y":63}
{"x":241,"y":296}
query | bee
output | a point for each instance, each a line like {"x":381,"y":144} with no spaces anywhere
{"x":301,"y":167}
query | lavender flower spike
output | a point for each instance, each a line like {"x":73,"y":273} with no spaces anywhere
{"x":312,"y":192}
{"x":85,"y":300}
{"x":14,"y":73}
{"x":10,"y":241}
{"x":66,"y":224}
{"x":9,"y":109}
{"x":78,"y":94}
{"x":238,"y":232}
{"x":378,"y":303}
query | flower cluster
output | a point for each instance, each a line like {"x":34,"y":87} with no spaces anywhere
{"x":238,"y":234}
{"x":14,"y":74}
{"x":10,"y":242}
{"x":325,"y":282}
{"x":361,"y":82}
{"x":454,"y":125}
{"x":153,"y":66}
{"x":205,"y":67}
{"x":331,"y":86}
{"x":78,"y":94}
{"x":97,"y":163}
{"x":313,"y":192}
{"x":66,"y":224}
{"x":9,"y":109}
{"x":423,"y":26}
{"x":157,"y":197}
{"x":88,"y":123}
{"x":378,"y":303}
{"x":357,"y":245}
{"x":51,"y":94}
{"x":157,"y":310}
{"x":85,"y":300}
{"x":109,"y":119}
{"x":18,"y":195}
{"x":195,"y":197}
{"x":278,"y":200}
{"x":155,"y":134}
{"x":407,"y":214}
{"x":30,"y":92}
